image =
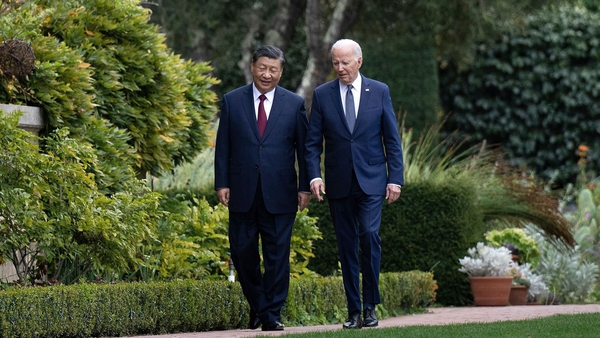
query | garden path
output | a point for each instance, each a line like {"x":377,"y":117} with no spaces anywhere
{"x":435,"y":316}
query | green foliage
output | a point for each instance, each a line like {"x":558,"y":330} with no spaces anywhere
{"x":190,"y":243}
{"x":430,"y":236}
{"x":411,"y":72}
{"x":105,"y":73}
{"x":322,"y":300}
{"x":197,"y":176}
{"x":110,"y":310}
{"x":52,"y":212}
{"x":193,"y":179}
{"x":528,"y":247}
{"x":417,"y":235}
{"x":125,"y":309}
{"x":565,"y":270}
{"x":304,"y":233}
{"x":449,"y":200}
{"x":533,"y":91}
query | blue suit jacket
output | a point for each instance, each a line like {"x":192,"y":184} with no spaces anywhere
{"x":373,"y":150}
{"x":241,"y":154}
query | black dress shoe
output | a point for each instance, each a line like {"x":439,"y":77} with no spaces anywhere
{"x":353,"y":321}
{"x":273,"y":326}
{"x":254,"y":321}
{"x":370,"y":318}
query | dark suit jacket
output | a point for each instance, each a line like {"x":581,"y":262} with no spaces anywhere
{"x":241,"y":154}
{"x":373,"y":149}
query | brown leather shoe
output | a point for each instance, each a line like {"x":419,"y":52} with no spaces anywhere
{"x":353,"y":321}
{"x":370,"y":318}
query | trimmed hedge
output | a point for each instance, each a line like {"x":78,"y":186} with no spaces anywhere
{"x":429,"y":228}
{"x":90,"y":310}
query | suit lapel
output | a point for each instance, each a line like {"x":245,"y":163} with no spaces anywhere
{"x":248,"y":104}
{"x":276,"y":109}
{"x":337,"y":102}
{"x":364,"y":99}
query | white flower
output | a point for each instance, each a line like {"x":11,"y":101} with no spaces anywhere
{"x":537,"y":287}
{"x":486,"y":261}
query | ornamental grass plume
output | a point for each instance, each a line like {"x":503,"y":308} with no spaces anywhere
{"x":504,"y":194}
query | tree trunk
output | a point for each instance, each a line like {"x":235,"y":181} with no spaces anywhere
{"x":283,"y":24}
{"x":318,"y":65}
{"x":253,"y":20}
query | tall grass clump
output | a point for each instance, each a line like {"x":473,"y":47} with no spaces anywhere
{"x":505,"y":196}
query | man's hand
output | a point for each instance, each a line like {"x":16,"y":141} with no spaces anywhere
{"x":392,"y":192}
{"x":303,"y":199}
{"x":223,"y":195}
{"x":316,"y":188}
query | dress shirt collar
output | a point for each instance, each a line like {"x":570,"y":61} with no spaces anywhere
{"x":357,"y":84}
{"x":270,"y":95}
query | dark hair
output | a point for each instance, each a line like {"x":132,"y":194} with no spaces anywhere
{"x":271,"y":52}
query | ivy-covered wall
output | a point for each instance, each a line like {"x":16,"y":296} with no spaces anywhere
{"x":535,"y":91}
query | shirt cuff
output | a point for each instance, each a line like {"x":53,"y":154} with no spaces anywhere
{"x":315,"y":179}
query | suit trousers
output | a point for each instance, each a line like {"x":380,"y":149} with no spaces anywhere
{"x":356,"y":219}
{"x":266,"y":293}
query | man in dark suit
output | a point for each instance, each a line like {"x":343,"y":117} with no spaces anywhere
{"x":363,"y":163}
{"x":261,"y":133}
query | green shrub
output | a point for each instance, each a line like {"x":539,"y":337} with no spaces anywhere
{"x":534,"y":91}
{"x":52,"y":212}
{"x":426,"y":229}
{"x":103,"y":310}
{"x":105,"y":73}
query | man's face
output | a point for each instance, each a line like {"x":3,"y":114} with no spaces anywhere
{"x":266,"y":73}
{"x":345,"y":64}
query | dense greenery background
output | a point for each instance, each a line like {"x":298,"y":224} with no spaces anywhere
{"x":535,"y":92}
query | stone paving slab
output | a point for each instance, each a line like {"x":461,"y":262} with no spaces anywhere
{"x":436,"y":316}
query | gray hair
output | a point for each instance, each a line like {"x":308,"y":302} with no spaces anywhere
{"x":348,"y":43}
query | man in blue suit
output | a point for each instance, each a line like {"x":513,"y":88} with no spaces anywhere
{"x":261,"y":133}
{"x":363,"y":164}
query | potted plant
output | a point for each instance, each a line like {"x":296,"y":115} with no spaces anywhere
{"x":519,"y":287}
{"x":489,"y":274}
{"x":524,"y":247}
{"x":535,"y":286}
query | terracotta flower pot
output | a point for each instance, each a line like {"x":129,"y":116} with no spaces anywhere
{"x":518,"y":295}
{"x":491,"y":291}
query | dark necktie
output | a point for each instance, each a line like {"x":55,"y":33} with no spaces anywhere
{"x":262,"y":116}
{"x":350,"y":111}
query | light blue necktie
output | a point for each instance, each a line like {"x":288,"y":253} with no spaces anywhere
{"x":350,"y":111}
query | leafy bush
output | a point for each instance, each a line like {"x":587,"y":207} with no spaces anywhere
{"x":449,"y":200}
{"x":105,"y":73}
{"x":534,"y":91}
{"x":53,"y":219}
{"x":567,"y":273}
{"x":191,"y":241}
